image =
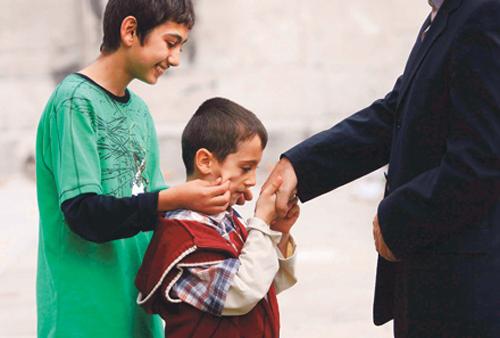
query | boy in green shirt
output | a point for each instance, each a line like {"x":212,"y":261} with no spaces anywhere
{"x":99,"y":183}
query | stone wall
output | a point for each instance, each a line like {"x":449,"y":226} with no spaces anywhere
{"x":300,"y":65}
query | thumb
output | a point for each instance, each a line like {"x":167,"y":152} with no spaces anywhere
{"x":273,"y":186}
{"x":217,"y":181}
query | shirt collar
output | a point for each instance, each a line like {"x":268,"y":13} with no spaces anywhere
{"x":222,"y":222}
{"x":436,"y":4}
{"x":229,"y":213}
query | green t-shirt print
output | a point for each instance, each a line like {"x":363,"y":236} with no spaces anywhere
{"x":90,"y":141}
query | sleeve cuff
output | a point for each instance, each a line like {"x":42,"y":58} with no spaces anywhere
{"x":70,"y":193}
{"x":256,"y":223}
{"x":294,"y":155}
{"x":393,"y":239}
{"x":148,"y":210}
{"x":290,"y":251}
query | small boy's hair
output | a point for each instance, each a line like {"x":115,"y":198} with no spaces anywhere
{"x":219,"y":125}
{"x":148,"y":13}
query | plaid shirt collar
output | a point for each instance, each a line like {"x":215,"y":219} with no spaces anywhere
{"x":222,"y":222}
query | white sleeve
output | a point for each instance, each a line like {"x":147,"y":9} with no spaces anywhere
{"x":286,"y":278}
{"x":258,"y":267}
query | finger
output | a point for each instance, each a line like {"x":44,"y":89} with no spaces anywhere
{"x":375,"y":238}
{"x":219,"y":189}
{"x":282,"y":198}
{"x":273,"y":186}
{"x":270,"y":178}
{"x":220,"y":200}
{"x":217,"y":182}
{"x":294,"y":200}
{"x":293,"y":212}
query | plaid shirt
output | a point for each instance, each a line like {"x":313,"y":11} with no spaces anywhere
{"x":205,"y":286}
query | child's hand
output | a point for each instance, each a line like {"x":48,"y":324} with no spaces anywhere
{"x":285,"y":224}
{"x":265,"y":208}
{"x":202,"y":196}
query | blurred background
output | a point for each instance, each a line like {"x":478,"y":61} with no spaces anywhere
{"x":301,"y":66}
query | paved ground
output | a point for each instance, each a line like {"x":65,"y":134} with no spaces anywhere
{"x":336,"y":266}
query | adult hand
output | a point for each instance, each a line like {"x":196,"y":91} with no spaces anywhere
{"x":206,"y":197}
{"x":380,"y":244}
{"x":285,"y":224}
{"x":288,"y":189}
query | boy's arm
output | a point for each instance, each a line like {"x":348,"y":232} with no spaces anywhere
{"x":233,"y":286}
{"x":102,"y":218}
{"x":285,"y":277}
{"x":258,"y":267}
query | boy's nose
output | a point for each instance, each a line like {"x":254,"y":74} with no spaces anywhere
{"x":174,"y":59}
{"x":251,"y":181}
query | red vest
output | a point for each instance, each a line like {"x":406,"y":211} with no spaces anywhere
{"x":177,"y":241}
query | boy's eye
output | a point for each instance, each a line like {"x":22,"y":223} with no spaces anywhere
{"x":246,"y":169}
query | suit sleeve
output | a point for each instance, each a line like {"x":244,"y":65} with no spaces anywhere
{"x":460,"y":191}
{"x":355,"y":147}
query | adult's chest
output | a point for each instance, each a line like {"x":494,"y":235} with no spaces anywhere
{"x":424,"y":109}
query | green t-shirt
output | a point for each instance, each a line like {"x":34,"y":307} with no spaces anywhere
{"x":90,"y":141}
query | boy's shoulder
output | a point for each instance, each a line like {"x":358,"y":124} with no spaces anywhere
{"x":79,"y":86}
{"x":209,"y":220}
{"x":205,"y":230}
{"x":73,"y":85}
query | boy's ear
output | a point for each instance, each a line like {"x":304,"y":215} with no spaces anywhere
{"x":204,"y":161}
{"x":128,"y":31}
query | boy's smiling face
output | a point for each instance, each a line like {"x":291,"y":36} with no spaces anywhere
{"x":239,"y":167}
{"x":160,"y":50}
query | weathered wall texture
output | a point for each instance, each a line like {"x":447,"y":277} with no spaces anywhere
{"x":300,"y":65}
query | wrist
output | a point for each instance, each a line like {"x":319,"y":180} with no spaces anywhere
{"x":265,"y":218}
{"x":169,"y":199}
{"x":285,"y":245}
{"x":285,"y":237}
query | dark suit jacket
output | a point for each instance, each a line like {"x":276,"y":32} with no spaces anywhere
{"x":439,"y":131}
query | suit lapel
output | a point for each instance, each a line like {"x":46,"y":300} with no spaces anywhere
{"x":421,"y":48}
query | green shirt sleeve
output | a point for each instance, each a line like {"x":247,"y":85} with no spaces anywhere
{"x":74,"y":154}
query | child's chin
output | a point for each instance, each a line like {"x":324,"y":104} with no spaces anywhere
{"x":234,"y":199}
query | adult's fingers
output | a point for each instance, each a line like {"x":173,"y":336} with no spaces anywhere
{"x":273,"y":186}
{"x":380,"y":244}
{"x":294,"y":211}
{"x":283,"y":198}
{"x":376,"y":233}
{"x":270,"y":178}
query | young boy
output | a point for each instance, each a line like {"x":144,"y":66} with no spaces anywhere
{"x":210,"y":276}
{"x":98,"y":178}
